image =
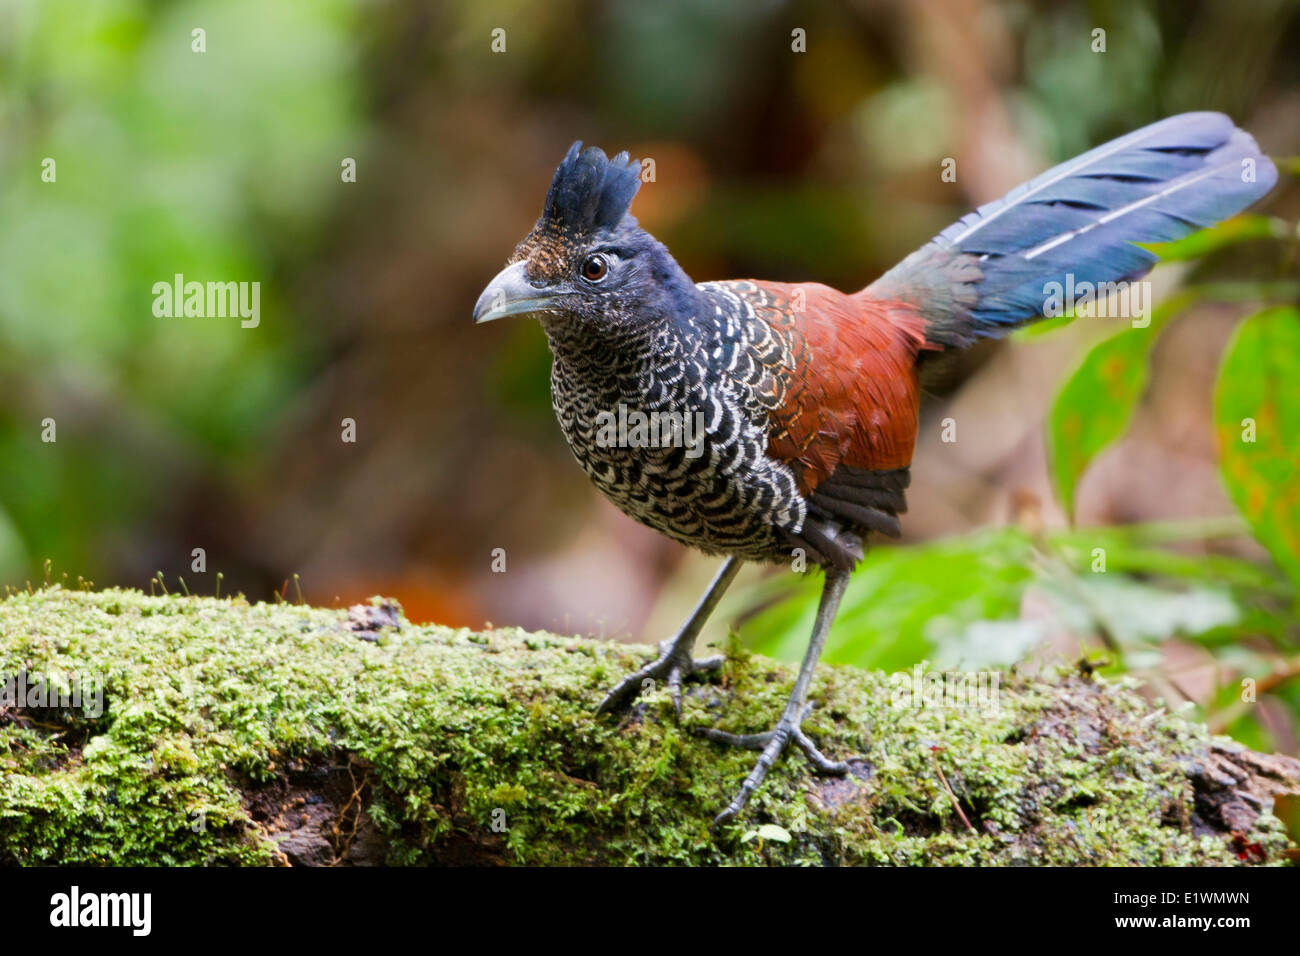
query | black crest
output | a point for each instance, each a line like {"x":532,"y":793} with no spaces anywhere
{"x":590,"y":191}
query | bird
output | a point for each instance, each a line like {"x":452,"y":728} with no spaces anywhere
{"x":801,"y":402}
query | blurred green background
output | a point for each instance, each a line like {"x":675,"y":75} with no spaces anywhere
{"x":183,"y":433}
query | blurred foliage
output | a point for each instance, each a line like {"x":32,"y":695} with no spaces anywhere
{"x":956,"y":603}
{"x":1257,"y":413}
{"x":166,"y":162}
{"x":1098,"y":399}
{"x":1096,"y":402}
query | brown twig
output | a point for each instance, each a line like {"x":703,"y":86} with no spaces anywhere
{"x":956,"y":805}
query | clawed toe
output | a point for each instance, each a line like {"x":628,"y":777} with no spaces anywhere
{"x":674,"y":665}
{"x":821,"y":763}
{"x":771,"y":744}
{"x":671,"y":667}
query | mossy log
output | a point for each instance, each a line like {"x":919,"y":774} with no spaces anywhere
{"x":233,"y":733}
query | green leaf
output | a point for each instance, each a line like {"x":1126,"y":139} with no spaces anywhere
{"x":770,"y":831}
{"x":1224,"y":234}
{"x":1136,"y":611}
{"x":903,"y":605}
{"x":1288,"y":164}
{"x":1257,"y":423}
{"x":1095,"y":404}
{"x":1042,"y":327}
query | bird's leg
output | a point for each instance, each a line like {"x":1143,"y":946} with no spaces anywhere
{"x":675,"y":662}
{"x":787,"y":728}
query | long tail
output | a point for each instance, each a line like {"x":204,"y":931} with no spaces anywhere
{"x":986,"y":273}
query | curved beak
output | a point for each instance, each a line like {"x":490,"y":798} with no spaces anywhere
{"x":510,"y":293}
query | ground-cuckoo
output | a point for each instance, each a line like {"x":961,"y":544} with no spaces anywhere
{"x":806,"y":397}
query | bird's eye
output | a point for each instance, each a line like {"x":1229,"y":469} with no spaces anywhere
{"x":595,"y":268}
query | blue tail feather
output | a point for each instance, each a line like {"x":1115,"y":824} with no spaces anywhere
{"x":986,"y":273}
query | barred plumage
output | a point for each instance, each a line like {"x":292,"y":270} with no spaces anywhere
{"x":731,"y":362}
{"x":719,"y":366}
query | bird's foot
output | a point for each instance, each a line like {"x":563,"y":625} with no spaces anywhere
{"x":772,"y":743}
{"x":672,"y":666}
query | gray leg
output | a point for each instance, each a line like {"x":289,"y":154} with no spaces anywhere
{"x":675,"y":662}
{"x":788,"y":729}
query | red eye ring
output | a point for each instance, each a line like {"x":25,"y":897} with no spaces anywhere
{"x":595,"y":268}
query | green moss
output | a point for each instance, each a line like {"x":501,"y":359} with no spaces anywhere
{"x":224,"y":720}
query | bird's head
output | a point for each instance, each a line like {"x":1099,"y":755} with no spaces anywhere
{"x":587,"y":261}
